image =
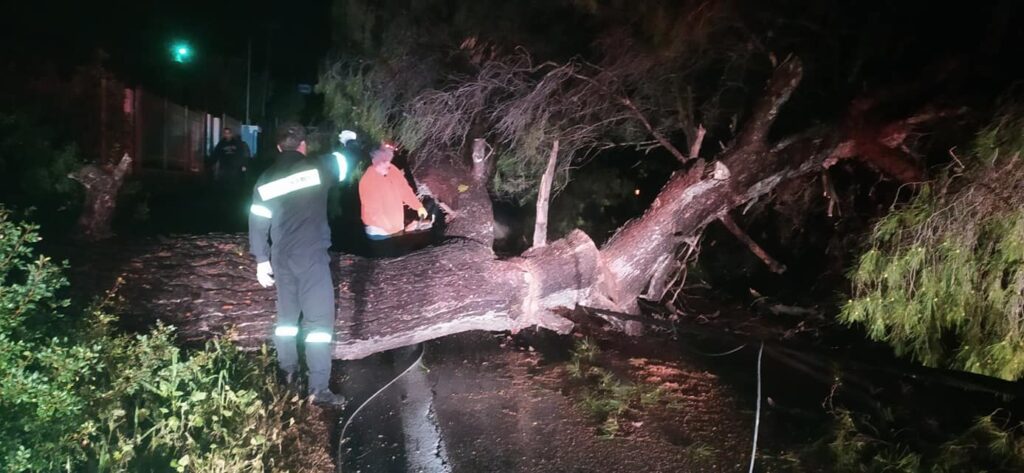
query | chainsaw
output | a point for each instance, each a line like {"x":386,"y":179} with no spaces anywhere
{"x":420,"y":225}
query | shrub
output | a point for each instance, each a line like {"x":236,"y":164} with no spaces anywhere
{"x":78,"y":396}
{"x":943,"y":278}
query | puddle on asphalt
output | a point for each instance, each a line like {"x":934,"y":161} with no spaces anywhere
{"x":390,"y":424}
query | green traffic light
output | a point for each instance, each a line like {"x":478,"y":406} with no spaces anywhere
{"x":181,"y":52}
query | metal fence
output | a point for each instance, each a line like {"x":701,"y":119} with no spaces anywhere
{"x":158,"y":133}
{"x":172,"y":137}
{"x":107,"y":119}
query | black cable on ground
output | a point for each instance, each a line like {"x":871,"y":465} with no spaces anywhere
{"x":734,"y":350}
{"x":419,"y":361}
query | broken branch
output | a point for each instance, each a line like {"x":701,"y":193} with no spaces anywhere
{"x":664,"y":142}
{"x":784,"y":81}
{"x":540,"y":227}
{"x":698,"y":141}
{"x":772,"y":263}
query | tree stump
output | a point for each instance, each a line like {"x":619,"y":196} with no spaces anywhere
{"x":102,"y":184}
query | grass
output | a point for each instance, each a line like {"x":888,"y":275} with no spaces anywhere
{"x":606,"y":397}
{"x":700,"y":452}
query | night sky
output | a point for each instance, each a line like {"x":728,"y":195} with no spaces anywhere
{"x":295,"y":37}
{"x":136,"y":36}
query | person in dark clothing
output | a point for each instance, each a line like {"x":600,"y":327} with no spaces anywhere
{"x":289,"y":237}
{"x":230,"y":158}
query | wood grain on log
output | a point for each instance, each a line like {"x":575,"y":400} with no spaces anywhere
{"x":206,"y":286}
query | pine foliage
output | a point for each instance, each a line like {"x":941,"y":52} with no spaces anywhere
{"x":942,"y":280}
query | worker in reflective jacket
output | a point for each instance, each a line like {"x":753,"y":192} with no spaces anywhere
{"x":289,"y":237}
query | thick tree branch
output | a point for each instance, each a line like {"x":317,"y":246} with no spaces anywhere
{"x":784,"y":81}
{"x":462,"y":191}
{"x":102,"y":185}
{"x":687,"y":203}
{"x":882,"y":144}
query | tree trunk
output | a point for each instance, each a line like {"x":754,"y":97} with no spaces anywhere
{"x":689,"y":201}
{"x":205,"y":285}
{"x":208,"y":287}
{"x":540,"y":226}
{"x":463,"y":189}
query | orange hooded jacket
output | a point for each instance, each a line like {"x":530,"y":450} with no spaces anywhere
{"x":382,"y":198}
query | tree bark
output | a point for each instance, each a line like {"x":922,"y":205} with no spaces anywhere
{"x":540,"y":226}
{"x":208,"y":288}
{"x":689,"y":201}
{"x":463,"y":189}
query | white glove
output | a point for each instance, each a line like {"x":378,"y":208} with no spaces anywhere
{"x":265,"y":274}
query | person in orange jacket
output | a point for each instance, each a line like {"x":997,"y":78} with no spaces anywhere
{"x":383,"y":191}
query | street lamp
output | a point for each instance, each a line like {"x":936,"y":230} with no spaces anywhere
{"x":181,"y":52}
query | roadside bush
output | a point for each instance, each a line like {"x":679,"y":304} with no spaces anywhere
{"x":76,"y":395}
{"x":942,"y":279}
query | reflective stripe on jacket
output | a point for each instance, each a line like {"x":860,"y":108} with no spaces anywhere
{"x":288,"y":215}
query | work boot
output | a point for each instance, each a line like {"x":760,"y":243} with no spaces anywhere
{"x":326,"y":398}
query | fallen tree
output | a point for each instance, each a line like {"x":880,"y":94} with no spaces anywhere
{"x":204,"y":285}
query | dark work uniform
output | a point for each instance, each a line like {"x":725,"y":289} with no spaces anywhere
{"x":230,"y":156}
{"x":288,"y":227}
